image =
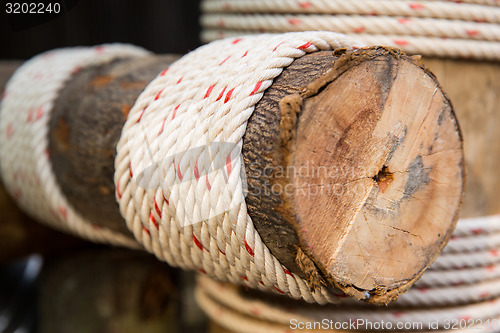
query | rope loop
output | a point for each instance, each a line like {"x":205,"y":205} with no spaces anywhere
{"x":186,"y":199}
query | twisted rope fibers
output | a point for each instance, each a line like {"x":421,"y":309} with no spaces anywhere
{"x":429,"y":46}
{"x":442,"y":278}
{"x":445,"y":296}
{"x":429,"y":28}
{"x":477,"y":226}
{"x":25,"y":113}
{"x":467,"y":259}
{"x":204,"y":98}
{"x":473,"y":244}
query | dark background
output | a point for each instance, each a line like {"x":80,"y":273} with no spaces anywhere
{"x":161,"y":26}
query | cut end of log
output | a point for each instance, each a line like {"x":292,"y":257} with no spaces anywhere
{"x":374,"y":172}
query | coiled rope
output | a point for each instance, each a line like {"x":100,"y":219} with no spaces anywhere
{"x":457,"y":29}
{"x":462,"y":286}
{"x":204,"y":98}
{"x":243,"y":313}
{"x":24,"y":162}
{"x":161,"y":185}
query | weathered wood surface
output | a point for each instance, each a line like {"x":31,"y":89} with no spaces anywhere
{"x":474,"y":90}
{"x":367,"y":158}
{"x":315,"y":237}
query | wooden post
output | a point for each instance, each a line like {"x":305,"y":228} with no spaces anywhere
{"x":374,"y":134}
{"x":108,"y":290}
{"x":85,"y":127}
{"x":21,"y":236}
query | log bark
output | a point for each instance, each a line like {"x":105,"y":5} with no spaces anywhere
{"x":373,"y":116}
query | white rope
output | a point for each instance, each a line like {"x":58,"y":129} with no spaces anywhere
{"x":477,"y":226}
{"x":434,"y":9}
{"x":318,"y":7}
{"x":402,"y":26}
{"x":189,"y":117}
{"x":461,"y":287}
{"x":429,"y":46}
{"x":459,"y":284}
{"x":439,"y":278}
{"x":235,"y":321}
{"x":479,"y":243}
{"x":430,"y":28}
{"x":446,"y":295}
{"x":25,"y":112}
{"x":467,"y":259}
{"x":234,"y":309}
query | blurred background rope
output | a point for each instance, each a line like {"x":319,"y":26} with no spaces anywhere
{"x":455,"y":29}
{"x":27,"y":104}
{"x":466,"y":292}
